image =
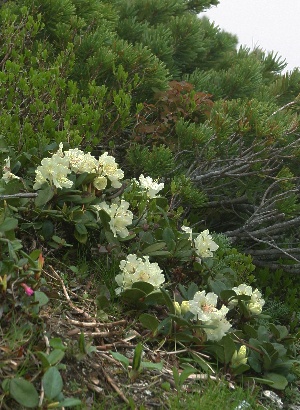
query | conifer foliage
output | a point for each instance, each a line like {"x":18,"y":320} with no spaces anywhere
{"x":166,"y":91}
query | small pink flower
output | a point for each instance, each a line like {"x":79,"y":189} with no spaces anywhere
{"x":27,"y":289}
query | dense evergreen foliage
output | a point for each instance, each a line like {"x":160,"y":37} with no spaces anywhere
{"x":169,"y":94}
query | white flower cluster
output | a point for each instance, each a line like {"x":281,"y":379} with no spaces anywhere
{"x":149,"y":186}
{"x":135,"y":269}
{"x":55,"y":169}
{"x":203,"y":306}
{"x":7,"y":174}
{"x":203,"y":243}
{"x":120,"y":216}
{"x":256,"y":302}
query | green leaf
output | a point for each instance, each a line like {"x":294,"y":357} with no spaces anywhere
{"x":176,"y":376}
{"x":35,"y":254}
{"x":149,"y":322}
{"x":217,"y":286}
{"x":43,"y":357}
{"x":81,"y":229}
{"x":146,"y":237}
{"x":254,"y":362}
{"x":180,"y":320}
{"x":57,"y":239}
{"x":112,"y":240}
{"x":69,"y":402}
{"x":121,"y":358}
{"x":205,"y":366}
{"x":250,"y":331}
{"x":143,"y":286}
{"x":168,"y":301}
{"x":44,"y":196}
{"x":41,"y":298}
{"x":12,"y":253}
{"x":151,"y":249}
{"x":47,"y":229}
{"x":55,"y":356}
{"x":278,"y":381}
{"x":192,"y":289}
{"x":5,"y":385}
{"x":186,"y":373}
{"x":160,"y":253}
{"x":166,"y":386}
{"x":278,"y":331}
{"x":165,"y":326}
{"x":155,"y":298}
{"x":52,"y":383}
{"x":227,"y":294}
{"x":241,"y":368}
{"x":133,"y":295}
{"x":184,"y":292}
{"x":105,"y":219}
{"x":137,"y":357}
{"x":81,"y":238}
{"x":217,"y":350}
{"x":127,"y":238}
{"x":263,"y":334}
{"x":229,"y":348}
{"x":169,"y":238}
{"x":8,"y":224}
{"x":150,"y":365}
{"x":185,"y":337}
{"x":81,"y":343}
{"x":57,"y":343}
{"x":81,"y":178}
{"x":24,"y":392}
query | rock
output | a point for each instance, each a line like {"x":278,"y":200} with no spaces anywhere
{"x":274,"y":398}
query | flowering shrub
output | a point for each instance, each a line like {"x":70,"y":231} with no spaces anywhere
{"x":139,"y":231}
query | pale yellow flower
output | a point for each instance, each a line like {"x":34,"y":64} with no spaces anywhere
{"x":150,"y":186}
{"x":135,"y":269}
{"x":204,"y":245}
{"x":7,"y":174}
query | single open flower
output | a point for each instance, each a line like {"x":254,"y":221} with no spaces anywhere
{"x":149,"y":186}
{"x":204,"y":245}
{"x":27,"y":289}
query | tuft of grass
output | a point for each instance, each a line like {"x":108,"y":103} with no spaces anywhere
{"x":212,"y":395}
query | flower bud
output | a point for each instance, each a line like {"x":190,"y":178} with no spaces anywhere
{"x":185,"y":307}
{"x":177,"y":308}
{"x":27,"y":289}
{"x":239,"y":356}
{"x":255,"y":308}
